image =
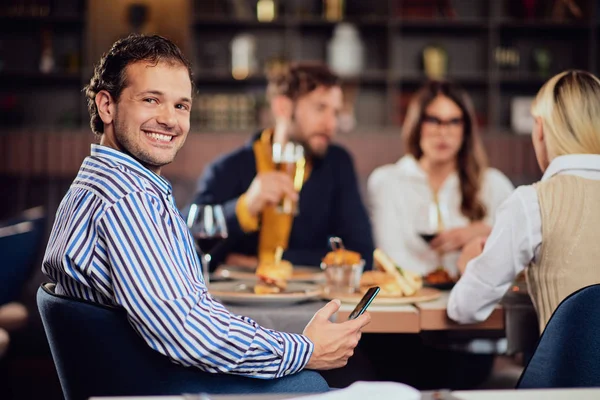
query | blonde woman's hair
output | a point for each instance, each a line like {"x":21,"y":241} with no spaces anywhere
{"x":569,"y":106}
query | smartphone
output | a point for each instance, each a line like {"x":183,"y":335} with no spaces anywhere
{"x":364,"y":302}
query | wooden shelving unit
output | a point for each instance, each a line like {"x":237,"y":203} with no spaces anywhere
{"x":42,"y":100}
{"x":394,"y":41}
{"x":392,"y":34}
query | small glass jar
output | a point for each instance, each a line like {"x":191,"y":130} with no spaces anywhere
{"x":343,"y":278}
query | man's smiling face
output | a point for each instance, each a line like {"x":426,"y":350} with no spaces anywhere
{"x":152,"y":116}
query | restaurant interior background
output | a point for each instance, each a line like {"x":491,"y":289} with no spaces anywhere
{"x":501,"y":51}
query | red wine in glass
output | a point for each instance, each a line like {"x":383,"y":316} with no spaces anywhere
{"x":207,"y":225}
{"x":208,"y":243}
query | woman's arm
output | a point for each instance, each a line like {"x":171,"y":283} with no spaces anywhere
{"x":495,"y":190}
{"x":508,"y":250}
{"x":455,"y":239}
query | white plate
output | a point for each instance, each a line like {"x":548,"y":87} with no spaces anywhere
{"x":301,"y":273}
{"x":423,"y":294}
{"x":236,"y":292}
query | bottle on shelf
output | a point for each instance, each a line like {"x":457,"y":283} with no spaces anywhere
{"x":243,"y":56}
{"x":333,"y":10}
{"x":266,"y":10}
{"x":345,"y":51}
{"x":435,"y":62}
{"x":47,"y":55}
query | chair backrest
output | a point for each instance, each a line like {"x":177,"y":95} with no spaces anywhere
{"x":20,"y":240}
{"x":568,"y":352}
{"x":97,"y":353}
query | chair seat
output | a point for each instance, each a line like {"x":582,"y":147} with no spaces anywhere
{"x":97,"y":353}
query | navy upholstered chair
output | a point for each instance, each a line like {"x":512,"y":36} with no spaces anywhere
{"x":20,"y":240}
{"x":568,"y":352}
{"x":97,"y":353}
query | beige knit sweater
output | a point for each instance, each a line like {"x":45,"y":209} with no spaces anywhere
{"x":570,"y":253}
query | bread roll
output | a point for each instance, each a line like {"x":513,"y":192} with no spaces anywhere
{"x":342,"y":257}
{"x":386,"y":282}
{"x":266,"y":288}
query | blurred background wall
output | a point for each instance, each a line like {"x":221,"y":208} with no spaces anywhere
{"x":108,"y":21}
{"x":500,"y":51}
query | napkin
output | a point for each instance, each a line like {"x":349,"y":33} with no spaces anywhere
{"x":369,"y":390}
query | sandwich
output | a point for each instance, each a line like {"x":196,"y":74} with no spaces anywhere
{"x":272,"y":277}
{"x":386,"y":282}
{"x":407,"y":282}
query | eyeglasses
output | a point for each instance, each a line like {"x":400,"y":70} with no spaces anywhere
{"x":453,"y":123}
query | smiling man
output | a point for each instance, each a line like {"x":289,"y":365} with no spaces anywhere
{"x":119,"y":240}
{"x":151,"y":118}
{"x":305,"y":102}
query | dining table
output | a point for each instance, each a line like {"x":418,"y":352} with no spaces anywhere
{"x":388,"y":316}
{"x":401,"y":318}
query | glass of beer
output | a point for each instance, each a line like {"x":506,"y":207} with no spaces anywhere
{"x":289,"y":159}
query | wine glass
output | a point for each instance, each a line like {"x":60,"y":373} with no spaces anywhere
{"x":208,"y":227}
{"x":289,"y":158}
{"x":429,"y":223}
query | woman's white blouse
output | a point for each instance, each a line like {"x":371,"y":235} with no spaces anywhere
{"x":514,"y":242}
{"x":398,"y":194}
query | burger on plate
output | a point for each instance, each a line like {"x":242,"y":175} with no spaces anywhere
{"x":272,"y":277}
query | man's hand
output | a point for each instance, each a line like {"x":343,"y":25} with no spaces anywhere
{"x":457,"y":238}
{"x":269,"y":188}
{"x":334,"y":343}
{"x":473,"y":249}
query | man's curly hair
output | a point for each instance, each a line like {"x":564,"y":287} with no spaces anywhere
{"x":300,"y":79}
{"x":109,"y":73}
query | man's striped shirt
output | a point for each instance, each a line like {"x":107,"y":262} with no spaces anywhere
{"x":118,"y":239}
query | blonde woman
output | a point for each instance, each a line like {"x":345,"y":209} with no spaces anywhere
{"x":549,"y":230}
{"x":444,"y":172}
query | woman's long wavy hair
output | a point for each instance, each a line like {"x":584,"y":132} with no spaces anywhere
{"x":471,"y":159}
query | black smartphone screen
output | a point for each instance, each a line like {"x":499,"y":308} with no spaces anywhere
{"x":364,"y":302}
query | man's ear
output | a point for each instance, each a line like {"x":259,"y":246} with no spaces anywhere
{"x":106,"y":106}
{"x":282,"y":107}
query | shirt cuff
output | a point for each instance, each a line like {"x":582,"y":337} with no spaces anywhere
{"x":297,"y":350}
{"x":247,"y":221}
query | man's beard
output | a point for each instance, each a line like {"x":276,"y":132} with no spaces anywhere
{"x":317,"y":153}
{"x":309,"y":151}
{"x":296,"y":136}
{"x":127,"y":141}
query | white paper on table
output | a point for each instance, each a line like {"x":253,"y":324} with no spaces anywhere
{"x":369,"y":390}
{"x":530,"y":394}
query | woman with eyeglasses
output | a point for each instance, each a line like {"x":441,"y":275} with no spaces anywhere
{"x":441,"y":194}
{"x":440,"y":190}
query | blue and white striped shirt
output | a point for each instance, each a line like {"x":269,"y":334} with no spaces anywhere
{"x":118,"y":239}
